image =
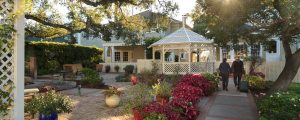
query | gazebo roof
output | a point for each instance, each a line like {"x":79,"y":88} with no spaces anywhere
{"x":183,"y":35}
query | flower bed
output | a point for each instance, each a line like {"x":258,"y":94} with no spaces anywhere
{"x":185,"y":96}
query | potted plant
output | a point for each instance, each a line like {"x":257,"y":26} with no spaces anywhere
{"x":49,"y":105}
{"x":107,"y":68}
{"x":112,"y":97}
{"x":134,"y":79}
{"x":138,"y":96}
{"x":117,"y":68}
{"x":128,"y":69}
{"x":162,"y":91}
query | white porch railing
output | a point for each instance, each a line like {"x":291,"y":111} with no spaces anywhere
{"x":121,"y":66}
{"x":186,"y":67}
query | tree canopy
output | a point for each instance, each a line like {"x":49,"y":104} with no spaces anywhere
{"x":229,"y":22}
{"x":55,"y":18}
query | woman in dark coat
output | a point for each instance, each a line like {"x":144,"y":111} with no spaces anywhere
{"x":224,"y":71}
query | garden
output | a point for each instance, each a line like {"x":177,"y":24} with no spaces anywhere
{"x":279,"y":105}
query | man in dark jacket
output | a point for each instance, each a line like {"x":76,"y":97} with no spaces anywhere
{"x":224,"y":71}
{"x":238,"y":70}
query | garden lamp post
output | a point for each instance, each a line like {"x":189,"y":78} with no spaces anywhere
{"x":79,"y":90}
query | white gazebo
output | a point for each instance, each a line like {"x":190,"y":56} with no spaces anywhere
{"x":184,"y":51}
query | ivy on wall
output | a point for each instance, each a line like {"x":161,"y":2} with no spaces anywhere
{"x":7,"y":38}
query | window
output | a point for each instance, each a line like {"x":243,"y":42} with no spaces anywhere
{"x":125,"y":56}
{"x":255,"y":50}
{"x":225,"y":53}
{"x":117,"y":56}
{"x":183,"y":55}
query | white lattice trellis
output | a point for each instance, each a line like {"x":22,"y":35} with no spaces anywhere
{"x":12,"y":59}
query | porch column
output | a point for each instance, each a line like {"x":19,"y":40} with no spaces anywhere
{"x":18,"y":63}
{"x":112,"y":54}
{"x":153,"y":53}
{"x":104,"y":54}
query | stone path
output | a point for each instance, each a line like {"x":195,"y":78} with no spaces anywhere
{"x":228,"y":105}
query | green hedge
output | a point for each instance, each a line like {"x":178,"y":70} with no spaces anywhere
{"x":47,"y":52}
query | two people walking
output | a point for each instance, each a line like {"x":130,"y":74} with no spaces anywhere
{"x":237,"y":68}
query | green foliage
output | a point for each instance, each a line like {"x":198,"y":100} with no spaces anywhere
{"x":5,"y":94}
{"x":128,"y":69}
{"x":48,"y":52}
{"x":137,"y":96}
{"x":117,"y":68}
{"x":215,"y":79}
{"x":294,"y":87}
{"x":148,"y":42}
{"x":162,"y":88}
{"x":280,"y":106}
{"x":256,"y":83}
{"x":46,"y":103}
{"x":91,"y":77}
{"x":155,"y":116}
{"x":122,"y":78}
{"x":86,"y":16}
{"x":112,"y":91}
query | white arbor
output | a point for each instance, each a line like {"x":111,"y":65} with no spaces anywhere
{"x":184,"y":51}
{"x":12,"y":59}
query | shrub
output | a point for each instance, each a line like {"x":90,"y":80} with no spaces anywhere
{"x":138,"y":96}
{"x":155,"y":116}
{"x":162,"y":88}
{"x":215,"y":79}
{"x":256,"y":83}
{"x":122,"y":78}
{"x":53,"y":66}
{"x":117,"y":68}
{"x":63,"y":53}
{"x":91,"y":77}
{"x":128,"y":69}
{"x":280,"y":106}
{"x":107,"y":68}
{"x":189,"y":109}
{"x":47,"y":103}
{"x":166,"y":110}
{"x":148,"y":77}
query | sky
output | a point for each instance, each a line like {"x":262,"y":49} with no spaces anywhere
{"x":185,"y":6}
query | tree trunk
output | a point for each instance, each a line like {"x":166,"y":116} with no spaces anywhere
{"x":288,"y":73}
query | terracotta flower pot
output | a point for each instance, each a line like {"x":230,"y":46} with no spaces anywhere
{"x":162,"y":100}
{"x":112,"y":101}
{"x":137,"y":115}
{"x":134,"y":79}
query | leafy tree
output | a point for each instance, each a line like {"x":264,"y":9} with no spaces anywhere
{"x":148,"y":42}
{"x":253,"y":22}
{"x":45,"y":21}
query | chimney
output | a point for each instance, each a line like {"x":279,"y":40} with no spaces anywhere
{"x":184,"y":20}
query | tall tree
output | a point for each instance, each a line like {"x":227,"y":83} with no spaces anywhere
{"x":55,"y":18}
{"x":253,"y":21}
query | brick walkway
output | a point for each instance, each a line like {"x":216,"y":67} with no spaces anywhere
{"x":228,"y":105}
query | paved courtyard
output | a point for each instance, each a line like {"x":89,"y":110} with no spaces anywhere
{"x":91,"y":105}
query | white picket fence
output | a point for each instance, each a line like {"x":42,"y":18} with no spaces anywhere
{"x":270,"y":69}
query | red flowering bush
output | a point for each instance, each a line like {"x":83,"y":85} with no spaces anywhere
{"x":187,"y":92}
{"x":197,"y":81}
{"x":185,"y":96}
{"x":165,"y":109}
{"x":189,"y":109}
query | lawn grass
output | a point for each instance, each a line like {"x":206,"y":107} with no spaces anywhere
{"x":294,"y":87}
